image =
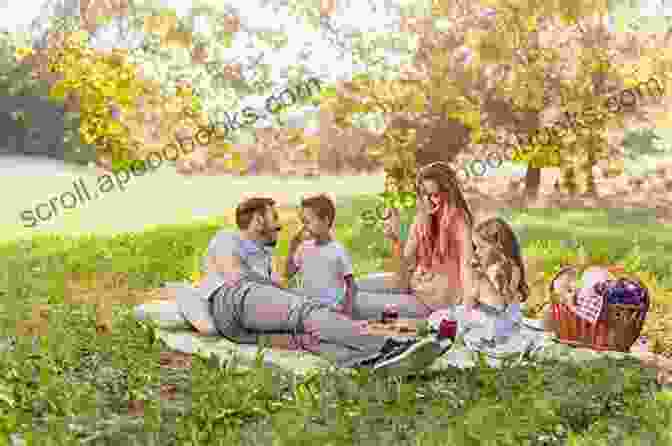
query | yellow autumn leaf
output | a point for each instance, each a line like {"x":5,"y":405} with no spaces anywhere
{"x":196,"y":278}
{"x":418,"y":102}
{"x":59,"y":91}
{"x":114,"y":127}
{"x":440,"y":8}
{"x":79,"y":36}
{"x":312,"y":140}
{"x":531,"y":22}
{"x":160,"y":25}
{"x":108,"y":90}
{"x":22,"y":52}
{"x":662,"y":119}
{"x":177,"y":39}
{"x":233,"y":162}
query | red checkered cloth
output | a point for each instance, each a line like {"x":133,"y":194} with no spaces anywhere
{"x":589,"y":304}
{"x":589,"y":307}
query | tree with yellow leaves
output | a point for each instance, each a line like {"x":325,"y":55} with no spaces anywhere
{"x":106,"y":86}
{"x":505,"y":73}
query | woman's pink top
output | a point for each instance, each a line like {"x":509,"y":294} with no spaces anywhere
{"x":440,"y":249}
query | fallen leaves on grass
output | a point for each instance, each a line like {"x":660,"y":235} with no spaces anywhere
{"x":106,"y":289}
{"x":175,"y":360}
{"x":167,"y":392}
{"x":37,"y":325}
{"x":662,"y":364}
{"x":136,"y":408}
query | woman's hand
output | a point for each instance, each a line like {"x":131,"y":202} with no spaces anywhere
{"x":392,"y":225}
{"x":436,"y":291}
{"x":422,"y":210}
{"x":432,"y":292}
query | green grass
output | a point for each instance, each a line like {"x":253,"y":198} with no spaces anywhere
{"x":78,"y":379}
{"x":162,"y":196}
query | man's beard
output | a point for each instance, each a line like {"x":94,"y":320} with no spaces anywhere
{"x":270,"y":238}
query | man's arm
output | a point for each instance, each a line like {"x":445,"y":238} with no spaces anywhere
{"x":349,"y":294}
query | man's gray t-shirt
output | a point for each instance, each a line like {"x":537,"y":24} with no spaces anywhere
{"x":256,"y":267}
{"x":256,"y":260}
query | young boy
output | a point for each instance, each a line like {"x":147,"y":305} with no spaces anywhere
{"x":323,"y":262}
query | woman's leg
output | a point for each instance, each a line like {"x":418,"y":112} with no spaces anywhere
{"x":370,"y":305}
{"x":374,"y":291}
{"x":378,"y":283}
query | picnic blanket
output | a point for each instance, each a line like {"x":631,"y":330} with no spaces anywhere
{"x":178,"y":336}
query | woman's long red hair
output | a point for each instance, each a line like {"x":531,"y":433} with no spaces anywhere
{"x":440,"y":244}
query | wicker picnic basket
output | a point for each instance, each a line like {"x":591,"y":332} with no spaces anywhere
{"x":617,"y":328}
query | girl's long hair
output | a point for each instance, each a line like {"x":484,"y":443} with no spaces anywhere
{"x":446,"y":178}
{"x":499,"y":233}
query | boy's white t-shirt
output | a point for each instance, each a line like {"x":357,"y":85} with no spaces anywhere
{"x":323,"y":268}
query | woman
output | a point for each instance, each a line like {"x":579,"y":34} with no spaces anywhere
{"x":435,"y":270}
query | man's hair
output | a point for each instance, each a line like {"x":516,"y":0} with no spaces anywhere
{"x":246,"y":210}
{"x":322,"y":205}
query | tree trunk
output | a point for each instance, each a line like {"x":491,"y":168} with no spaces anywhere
{"x":568,"y":181}
{"x":591,"y":187}
{"x":532,"y":182}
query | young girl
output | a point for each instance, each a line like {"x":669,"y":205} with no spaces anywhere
{"x":324,"y":263}
{"x":498,"y":267}
{"x":498,"y":277}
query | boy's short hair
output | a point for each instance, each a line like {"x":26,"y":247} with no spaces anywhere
{"x":322,"y":205}
{"x":246,"y":210}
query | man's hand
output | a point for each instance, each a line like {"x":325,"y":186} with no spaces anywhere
{"x":294,"y":245}
{"x":298,"y":238}
{"x":228,"y":266}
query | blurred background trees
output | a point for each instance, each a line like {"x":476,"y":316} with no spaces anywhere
{"x":491,"y":71}
{"x":467,"y":79}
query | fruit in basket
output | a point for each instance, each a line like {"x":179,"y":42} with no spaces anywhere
{"x":622,"y":291}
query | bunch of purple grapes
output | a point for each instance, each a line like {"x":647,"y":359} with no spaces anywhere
{"x":623,"y":291}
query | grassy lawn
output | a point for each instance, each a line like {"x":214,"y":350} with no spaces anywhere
{"x":74,"y":386}
{"x":162,"y":196}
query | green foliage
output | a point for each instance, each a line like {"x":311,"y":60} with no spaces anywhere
{"x":403,"y":200}
{"x":643,"y":142}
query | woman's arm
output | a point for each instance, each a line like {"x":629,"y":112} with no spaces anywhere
{"x":407,"y":259}
{"x":410,"y":247}
{"x":516,"y":277}
{"x":445,"y":288}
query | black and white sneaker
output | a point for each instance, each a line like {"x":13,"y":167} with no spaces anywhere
{"x":410,"y":358}
{"x":392,"y":346}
